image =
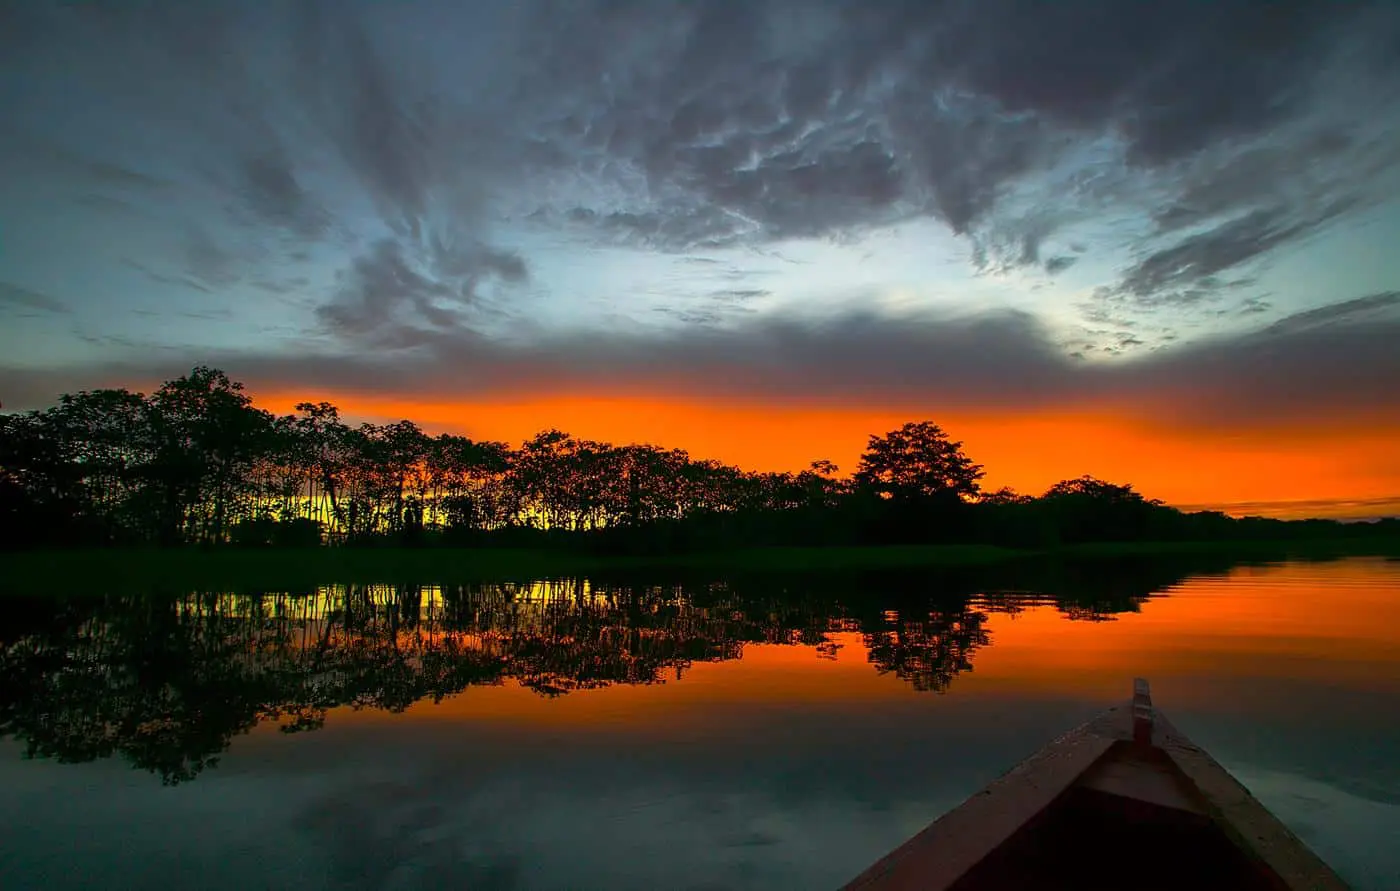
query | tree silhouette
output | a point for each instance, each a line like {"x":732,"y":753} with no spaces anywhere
{"x":918,"y":460}
{"x":1089,"y":509}
{"x":205,"y":436}
{"x":196,"y":462}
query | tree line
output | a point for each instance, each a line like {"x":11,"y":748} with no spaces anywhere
{"x":196,"y":463}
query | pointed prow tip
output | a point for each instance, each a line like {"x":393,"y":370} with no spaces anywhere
{"x":1142,"y":712}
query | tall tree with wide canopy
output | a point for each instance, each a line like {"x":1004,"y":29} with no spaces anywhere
{"x":207,"y":434}
{"x":918,"y":460}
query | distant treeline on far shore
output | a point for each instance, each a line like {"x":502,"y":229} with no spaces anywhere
{"x":195,"y":463}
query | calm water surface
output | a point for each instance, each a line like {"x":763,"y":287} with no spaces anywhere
{"x":764,"y":733}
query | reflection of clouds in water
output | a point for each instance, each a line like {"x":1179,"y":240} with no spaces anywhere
{"x":103,"y":825}
{"x":523,"y":832}
{"x":1356,"y":835}
{"x":780,"y":799}
{"x":393,"y":834}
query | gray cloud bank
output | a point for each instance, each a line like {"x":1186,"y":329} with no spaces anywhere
{"x":1338,"y":366}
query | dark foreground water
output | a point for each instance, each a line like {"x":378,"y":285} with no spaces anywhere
{"x":761,"y":733}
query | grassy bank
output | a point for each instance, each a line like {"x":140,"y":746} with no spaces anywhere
{"x":178,"y":570}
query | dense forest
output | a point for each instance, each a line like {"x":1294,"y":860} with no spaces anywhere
{"x":196,"y":463}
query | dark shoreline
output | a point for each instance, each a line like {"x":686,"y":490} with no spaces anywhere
{"x":129,"y":569}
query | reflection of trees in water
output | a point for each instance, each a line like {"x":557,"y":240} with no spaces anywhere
{"x":1084,"y":608}
{"x":168,"y":683}
{"x":1091,"y":590}
{"x":167,"y":691}
{"x":928,"y":652}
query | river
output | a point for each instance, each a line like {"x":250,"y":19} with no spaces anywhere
{"x":765,"y":732}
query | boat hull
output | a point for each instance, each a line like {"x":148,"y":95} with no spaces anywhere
{"x":1124,"y":802}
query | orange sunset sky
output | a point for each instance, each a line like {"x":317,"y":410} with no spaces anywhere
{"x":1283,"y":471}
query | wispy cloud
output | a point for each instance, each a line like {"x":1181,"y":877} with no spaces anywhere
{"x":13,"y":297}
{"x":450,"y":161}
{"x":1379,"y":307}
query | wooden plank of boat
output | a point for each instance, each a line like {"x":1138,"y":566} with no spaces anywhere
{"x":1125,"y":801}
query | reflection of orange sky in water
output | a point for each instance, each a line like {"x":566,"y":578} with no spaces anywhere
{"x":1026,"y":451}
{"x":1325,"y":622}
{"x":1332,"y":623}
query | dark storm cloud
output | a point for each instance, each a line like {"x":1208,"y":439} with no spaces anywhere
{"x":1308,"y":170}
{"x":274,"y":194}
{"x":208,"y":262}
{"x":1312,"y":368}
{"x":286,"y":117}
{"x":816,"y":119}
{"x":1243,"y":127}
{"x":162,"y":278}
{"x":377,"y":285}
{"x":1176,"y":77}
{"x":387,"y":299}
{"x":354,"y":98}
{"x":1252,"y":306}
{"x":24,"y":150}
{"x":422,"y":161}
{"x":13,"y":297}
{"x":671,"y":226}
{"x":1199,"y":258}
{"x":741,"y":293}
{"x":107,"y":204}
{"x":1372,"y":305}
